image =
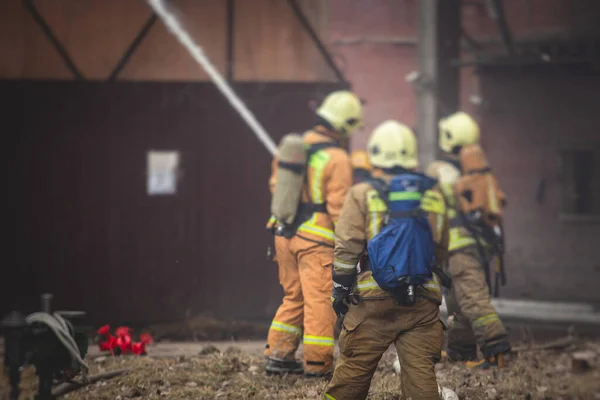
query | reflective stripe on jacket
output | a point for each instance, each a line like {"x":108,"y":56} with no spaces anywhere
{"x":329,"y":176}
{"x":447,"y":175}
{"x":362,"y":218}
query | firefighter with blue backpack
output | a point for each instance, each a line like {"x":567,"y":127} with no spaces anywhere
{"x":390,"y":241}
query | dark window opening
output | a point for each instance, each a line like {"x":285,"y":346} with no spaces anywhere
{"x":578,"y":191}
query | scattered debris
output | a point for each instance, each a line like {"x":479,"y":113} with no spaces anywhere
{"x":396,"y":366}
{"x":209,"y":349}
{"x":491,"y":393}
{"x":449,"y":394}
{"x":534,"y":375}
{"x":553,"y":345}
{"x":583,"y":360}
{"x":450,"y":321}
{"x":68,"y":387}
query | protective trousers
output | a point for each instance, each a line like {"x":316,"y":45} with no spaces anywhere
{"x":476,"y":320}
{"x":305,"y":275}
{"x":369,"y":329}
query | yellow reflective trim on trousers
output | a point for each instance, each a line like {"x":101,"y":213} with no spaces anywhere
{"x":283,"y":327}
{"x":329,"y":397}
{"x":318,"y":162}
{"x":434,"y":284}
{"x":370,"y":283}
{"x":326,"y":341}
{"x":367,"y":284}
{"x":344,"y":265}
{"x":317,"y":230}
{"x":311,"y":227}
{"x":486,"y":319}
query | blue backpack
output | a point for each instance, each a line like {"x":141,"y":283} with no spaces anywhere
{"x":402,"y":255}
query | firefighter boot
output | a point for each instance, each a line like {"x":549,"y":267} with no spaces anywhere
{"x":281,"y":367}
{"x":462,"y":353}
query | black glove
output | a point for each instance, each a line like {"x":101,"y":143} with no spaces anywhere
{"x":340,"y":305}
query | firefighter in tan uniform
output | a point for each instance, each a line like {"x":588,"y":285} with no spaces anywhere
{"x":476,"y":321}
{"x":305,"y":258}
{"x":374,"y":318}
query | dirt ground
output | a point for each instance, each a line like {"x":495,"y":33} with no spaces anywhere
{"x":233,"y":373}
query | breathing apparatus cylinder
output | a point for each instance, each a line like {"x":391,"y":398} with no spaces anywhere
{"x":290,"y":178}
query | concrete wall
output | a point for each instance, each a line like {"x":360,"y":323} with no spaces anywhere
{"x":377,"y":70}
{"x":550,"y":255}
{"x":269,"y":42}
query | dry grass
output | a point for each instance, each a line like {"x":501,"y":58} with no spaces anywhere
{"x":236,"y":375}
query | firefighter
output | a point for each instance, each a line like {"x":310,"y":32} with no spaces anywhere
{"x":476,"y":321}
{"x":361,"y":167}
{"x":374,"y":318}
{"x":305,"y":254}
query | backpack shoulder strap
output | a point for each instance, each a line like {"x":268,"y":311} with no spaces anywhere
{"x":313,"y":148}
{"x":382,"y":189}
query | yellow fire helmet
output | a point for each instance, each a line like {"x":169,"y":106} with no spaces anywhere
{"x":456,"y":131}
{"x":343,"y":110}
{"x":393,"y":144}
{"x":360,"y":160}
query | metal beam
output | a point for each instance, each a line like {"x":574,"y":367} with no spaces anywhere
{"x":49,"y":33}
{"x":543,"y":311}
{"x":438,"y":83}
{"x":427,"y":113}
{"x":133,"y":47}
{"x":497,"y":13}
{"x":388,"y":40}
{"x":523,"y":62}
{"x":470,"y":41}
{"x":317,"y":41}
{"x":230,"y":39}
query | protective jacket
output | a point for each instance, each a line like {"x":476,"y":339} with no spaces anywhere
{"x":329,"y":175}
{"x":363,"y":217}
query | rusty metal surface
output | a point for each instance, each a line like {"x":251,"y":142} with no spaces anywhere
{"x":84,"y":227}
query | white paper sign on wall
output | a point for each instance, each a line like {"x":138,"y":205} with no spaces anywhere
{"x":162,"y":172}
